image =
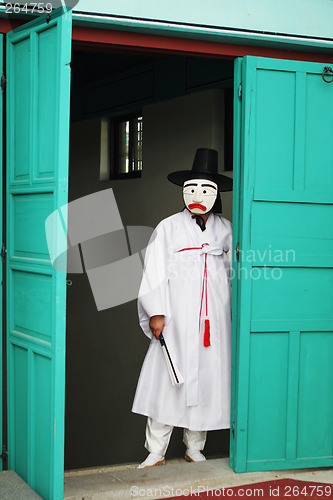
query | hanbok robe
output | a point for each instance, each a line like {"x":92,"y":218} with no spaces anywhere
{"x":177,"y":259}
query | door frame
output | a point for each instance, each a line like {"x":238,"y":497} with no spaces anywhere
{"x":94,"y":39}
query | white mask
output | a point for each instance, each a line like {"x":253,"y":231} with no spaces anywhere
{"x":199,"y":195}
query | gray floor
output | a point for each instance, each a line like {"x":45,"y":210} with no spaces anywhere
{"x":12,"y":487}
{"x":176,"y":478}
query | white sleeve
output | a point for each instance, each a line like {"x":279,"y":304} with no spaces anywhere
{"x":152,"y":299}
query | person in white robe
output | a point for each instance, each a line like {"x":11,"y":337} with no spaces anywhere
{"x":186,"y":294}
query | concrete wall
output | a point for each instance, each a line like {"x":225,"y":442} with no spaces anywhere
{"x":105,"y":349}
{"x":294,"y":17}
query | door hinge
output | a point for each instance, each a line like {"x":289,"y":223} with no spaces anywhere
{"x":237,"y":251}
{"x":3,"y":253}
{"x":233,"y":430}
{"x":240,"y":91}
{"x":4,"y":455}
{"x":3,"y":82}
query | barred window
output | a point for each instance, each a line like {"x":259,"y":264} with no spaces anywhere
{"x":121,"y":148}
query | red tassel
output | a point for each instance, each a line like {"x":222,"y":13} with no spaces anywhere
{"x":207,"y":333}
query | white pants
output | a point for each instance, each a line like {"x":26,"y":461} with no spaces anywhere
{"x":158,"y":437}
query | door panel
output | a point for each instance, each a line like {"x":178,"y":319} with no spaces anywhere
{"x":2,"y":405}
{"x":268,"y":390}
{"x":284,"y":318}
{"x":38,"y":102}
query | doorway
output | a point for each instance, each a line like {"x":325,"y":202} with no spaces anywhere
{"x":267,"y":193}
{"x":185,"y":103}
{"x":37,"y":294}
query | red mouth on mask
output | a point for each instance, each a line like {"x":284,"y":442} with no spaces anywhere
{"x":197,"y":205}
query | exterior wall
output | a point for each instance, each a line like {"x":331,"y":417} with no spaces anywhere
{"x":311,"y":18}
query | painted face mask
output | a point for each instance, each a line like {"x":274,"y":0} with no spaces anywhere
{"x":199,"y":195}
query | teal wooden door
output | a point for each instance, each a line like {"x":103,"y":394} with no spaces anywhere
{"x":38,"y":100}
{"x":282,"y":404}
{"x":1,"y":277}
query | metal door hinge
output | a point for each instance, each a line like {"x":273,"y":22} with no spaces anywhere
{"x":233,"y":430}
{"x":240,"y":91}
{"x":3,"y":253}
{"x":3,"y":82}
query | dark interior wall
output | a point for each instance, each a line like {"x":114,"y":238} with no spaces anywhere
{"x":111,"y":85}
{"x":105,"y":349}
{"x":102,"y":361}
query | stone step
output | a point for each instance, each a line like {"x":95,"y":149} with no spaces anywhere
{"x":12,"y":487}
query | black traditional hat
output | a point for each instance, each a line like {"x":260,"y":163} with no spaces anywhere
{"x":204,"y":167}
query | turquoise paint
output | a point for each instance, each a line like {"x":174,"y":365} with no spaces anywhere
{"x":235,"y":447}
{"x":268,"y":392}
{"x":291,"y":16}
{"x":280,"y":286}
{"x":293,"y":384}
{"x":289,"y":25}
{"x":36,"y":359}
{"x":316,"y":349}
{"x":207,"y":33}
{"x":278,"y":234}
{"x":1,"y":229}
{"x":280,"y":19}
{"x":18,"y":364}
{"x":37,"y":304}
{"x":38,"y":102}
{"x":282,"y":401}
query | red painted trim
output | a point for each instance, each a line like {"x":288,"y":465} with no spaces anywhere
{"x":95,"y":39}
{"x":9,"y":24}
{"x":92,"y":38}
